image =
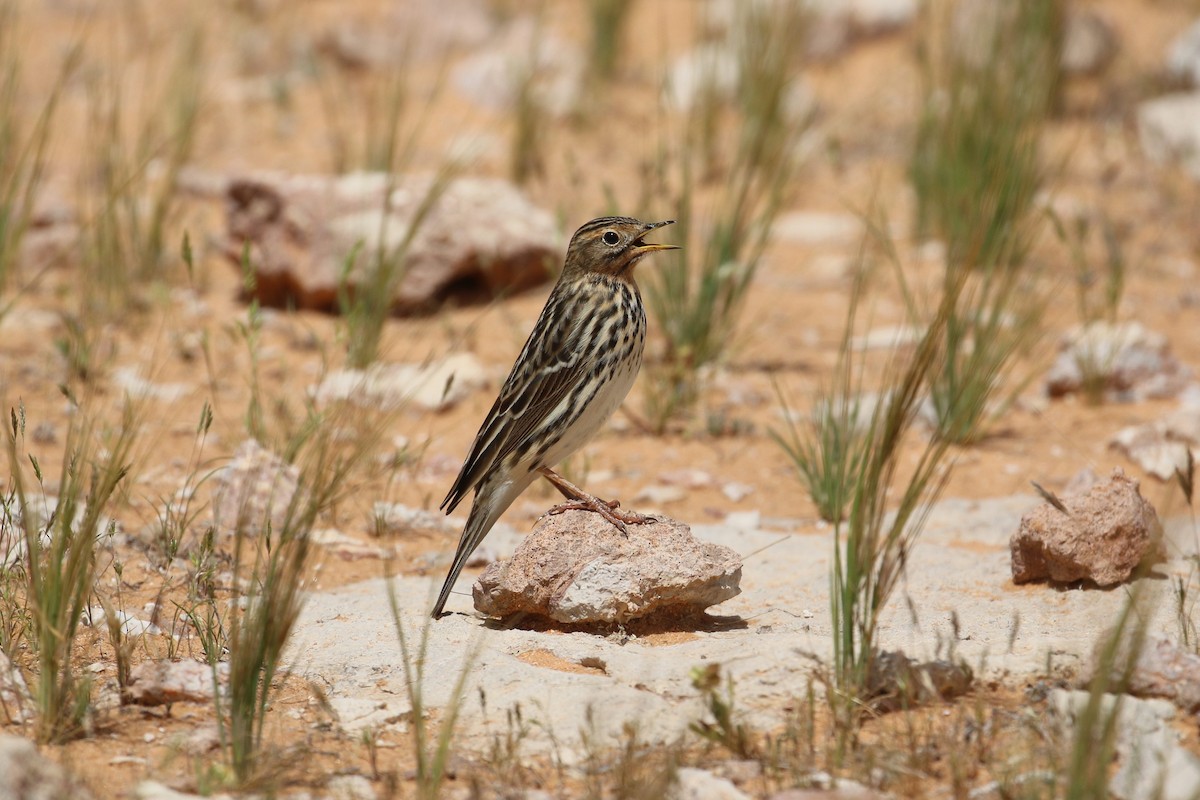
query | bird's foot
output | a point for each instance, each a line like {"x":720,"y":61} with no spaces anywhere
{"x":609,"y":509}
{"x":579,"y":500}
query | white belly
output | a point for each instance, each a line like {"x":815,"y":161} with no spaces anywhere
{"x":608,"y":399}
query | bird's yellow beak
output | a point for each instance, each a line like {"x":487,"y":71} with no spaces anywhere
{"x":641,"y":247}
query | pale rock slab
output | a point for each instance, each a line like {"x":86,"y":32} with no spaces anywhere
{"x":523,"y":51}
{"x":958,"y":589}
{"x":1161,"y":447}
{"x":1183,"y":57}
{"x":1163,"y":669}
{"x":1151,"y":761}
{"x":1127,"y":361}
{"x":699,"y":784}
{"x":1169,"y":130}
{"x":397,"y":519}
{"x":25,"y":774}
{"x":153,"y":790}
{"x":388,"y":42}
{"x":130,"y":379}
{"x":255,"y":488}
{"x":16,"y":704}
{"x":1089,"y":43}
{"x":436,"y":386}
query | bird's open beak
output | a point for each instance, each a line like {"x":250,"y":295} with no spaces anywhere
{"x":641,"y":247}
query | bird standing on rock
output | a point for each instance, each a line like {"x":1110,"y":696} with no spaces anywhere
{"x":574,"y":371}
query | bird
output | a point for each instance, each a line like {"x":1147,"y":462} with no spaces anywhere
{"x":574,"y":371}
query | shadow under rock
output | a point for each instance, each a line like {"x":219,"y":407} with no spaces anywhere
{"x":660,"y":622}
{"x":1088,"y":585}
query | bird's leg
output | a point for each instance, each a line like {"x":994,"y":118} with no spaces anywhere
{"x":579,"y":500}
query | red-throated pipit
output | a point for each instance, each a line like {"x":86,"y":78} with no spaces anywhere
{"x":574,"y":371}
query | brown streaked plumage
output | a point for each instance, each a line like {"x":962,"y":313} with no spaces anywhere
{"x":574,"y":371}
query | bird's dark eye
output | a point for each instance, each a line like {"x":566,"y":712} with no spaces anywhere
{"x":610,"y":237}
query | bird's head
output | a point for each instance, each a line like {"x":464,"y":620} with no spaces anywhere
{"x":611,"y":245}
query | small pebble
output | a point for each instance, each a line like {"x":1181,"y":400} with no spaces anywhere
{"x":737,"y":492}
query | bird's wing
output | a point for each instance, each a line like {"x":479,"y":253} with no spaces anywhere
{"x":545,"y":372}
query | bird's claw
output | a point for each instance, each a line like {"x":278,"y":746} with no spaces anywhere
{"x":609,"y":509}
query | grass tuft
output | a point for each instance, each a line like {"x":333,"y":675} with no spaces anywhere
{"x":977,"y":170}
{"x":25,"y":137}
{"x":270,"y":566}
{"x":60,"y":556}
{"x":135,"y":159}
{"x":608,"y":21}
{"x":828,"y":449}
{"x":432,"y":753}
{"x":975,"y":166}
{"x":697,"y":294}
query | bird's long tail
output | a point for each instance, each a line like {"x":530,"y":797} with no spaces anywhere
{"x":490,"y":502}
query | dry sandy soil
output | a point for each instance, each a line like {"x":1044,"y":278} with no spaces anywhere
{"x":263,"y":109}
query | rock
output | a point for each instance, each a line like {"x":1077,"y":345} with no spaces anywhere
{"x":712,"y":72}
{"x":875,"y":17}
{"x":130,"y":625}
{"x":388,"y":41}
{"x":130,"y":380}
{"x":350,"y":787}
{"x":20,"y":319}
{"x":741,"y":770}
{"x":1124,"y":361}
{"x":975,"y":26}
{"x":817,"y":228}
{"x":1082,"y":482}
{"x":707,"y":71}
{"x":898,"y":681}
{"x":577,"y":568}
{"x":347,"y":547}
{"x":501,"y":542}
{"x":41,"y":508}
{"x":255,"y":488}
{"x":832,"y":25}
{"x":346,"y":640}
{"x":699,"y":784}
{"x":52,"y":234}
{"x":1161,"y":447}
{"x":1183,"y":57}
{"x":659,"y":496}
{"x":846,"y":790}
{"x":153,"y":790}
{"x":737,"y":492}
{"x":688,"y":478}
{"x":159,"y":683}
{"x":1152,"y":762}
{"x":1089,"y":43}
{"x":202,"y":740}
{"x":523,"y":51}
{"x":355,"y":715}
{"x":16,"y":704}
{"x":480,"y":238}
{"x":1169,"y":130}
{"x":745,"y":520}
{"x":889,"y":337}
{"x":1163,"y":669}
{"x":25,"y":774}
{"x":1103,"y":537}
{"x":436,"y":386}
{"x":396,"y":519}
